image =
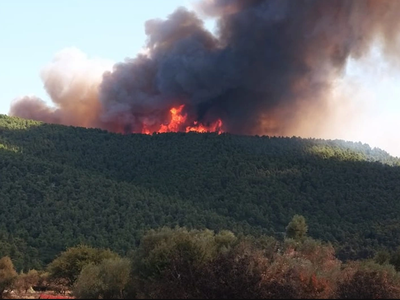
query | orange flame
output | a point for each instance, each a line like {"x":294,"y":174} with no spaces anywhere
{"x":215,"y":127}
{"x":178,"y":121}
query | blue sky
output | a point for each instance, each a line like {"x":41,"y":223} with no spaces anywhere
{"x":32,"y":31}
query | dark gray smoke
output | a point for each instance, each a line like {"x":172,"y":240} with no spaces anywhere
{"x":268,"y":61}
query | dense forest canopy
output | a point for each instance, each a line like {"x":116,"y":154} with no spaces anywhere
{"x":61,"y":186}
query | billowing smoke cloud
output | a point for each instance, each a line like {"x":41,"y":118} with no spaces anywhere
{"x":72,"y":82}
{"x":367,"y":103}
{"x":269,"y":69}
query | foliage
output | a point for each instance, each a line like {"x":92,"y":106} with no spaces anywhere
{"x":166,"y":254}
{"x":297,"y":228}
{"x":369,"y":281}
{"x":25,"y":281}
{"x":395,"y":259}
{"x":64,"y":186}
{"x":69,"y":264}
{"x":175,"y":264}
{"x":7,"y":274}
{"x":107,"y":280}
{"x":201,"y":264}
{"x":383,"y":257}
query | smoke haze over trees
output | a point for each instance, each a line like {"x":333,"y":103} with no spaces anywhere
{"x":269,"y":69}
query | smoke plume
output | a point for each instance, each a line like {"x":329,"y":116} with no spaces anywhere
{"x":269,"y":69}
{"x":72,"y":81}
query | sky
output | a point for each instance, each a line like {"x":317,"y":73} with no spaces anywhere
{"x":32,"y":32}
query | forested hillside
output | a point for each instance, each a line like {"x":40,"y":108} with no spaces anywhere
{"x":61,"y":186}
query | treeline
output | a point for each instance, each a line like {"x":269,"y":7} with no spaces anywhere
{"x":62,"y":186}
{"x":201,"y":264}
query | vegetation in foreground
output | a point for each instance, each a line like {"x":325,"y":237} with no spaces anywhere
{"x":201,"y":264}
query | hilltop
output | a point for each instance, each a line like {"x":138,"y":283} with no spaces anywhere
{"x":61,"y":186}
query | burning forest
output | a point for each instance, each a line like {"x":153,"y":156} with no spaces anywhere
{"x":268,"y":69}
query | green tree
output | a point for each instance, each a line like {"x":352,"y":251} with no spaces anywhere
{"x":382,"y":257}
{"x":7,"y":274}
{"x":70,"y":263}
{"x":169,"y":259}
{"x":297,"y":228}
{"x":236,"y":274}
{"x":107,"y":280}
{"x":395,"y":259}
{"x":88,"y":285}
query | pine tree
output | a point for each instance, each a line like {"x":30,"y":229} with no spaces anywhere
{"x":297,"y":228}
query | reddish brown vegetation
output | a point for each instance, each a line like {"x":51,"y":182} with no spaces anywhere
{"x":49,"y":296}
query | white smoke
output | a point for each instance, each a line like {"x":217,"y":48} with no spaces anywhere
{"x":72,"y":81}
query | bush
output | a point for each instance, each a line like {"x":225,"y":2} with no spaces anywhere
{"x":67,"y":267}
{"x":24,"y":281}
{"x":7,"y":274}
{"x":107,"y":280}
{"x":369,"y":281}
